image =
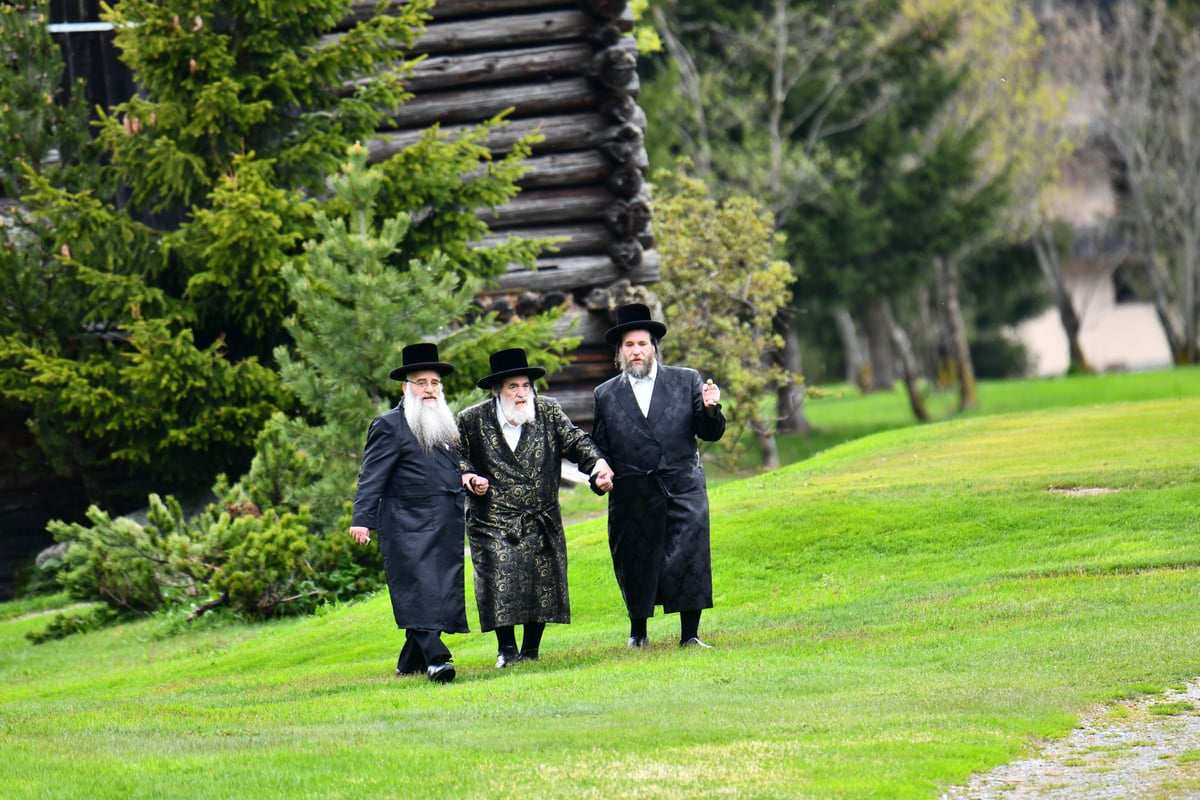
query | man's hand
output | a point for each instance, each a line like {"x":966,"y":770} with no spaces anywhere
{"x":602,"y":476}
{"x":711,"y":393}
{"x":360,"y":534}
{"x":476,"y":484}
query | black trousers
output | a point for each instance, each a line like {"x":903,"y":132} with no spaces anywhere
{"x":421,"y":649}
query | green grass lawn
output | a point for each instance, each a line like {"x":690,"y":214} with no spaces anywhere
{"x":842,"y":413}
{"x":891,"y":615}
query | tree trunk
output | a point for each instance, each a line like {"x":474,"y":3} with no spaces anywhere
{"x":1157,"y":280}
{"x":858,"y":370}
{"x":766,"y":446}
{"x":690,"y":86}
{"x":928,"y":349}
{"x":879,"y":343}
{"x":946,"y":279}
{"x":790,"y":397}
{"x":908,"y":362}
{"x":1187,"y":300}
{"x":1047,"y":257}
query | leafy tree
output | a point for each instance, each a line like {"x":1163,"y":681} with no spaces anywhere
{"x":768,"y":98}
{"x":1005,"y":94}
{"x":1152,"y":65}
{"x":869,"y":231}
{"x":721,"y":288}
{"x":854,"y":122}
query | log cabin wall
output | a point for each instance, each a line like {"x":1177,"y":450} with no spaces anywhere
{"x":569,"y":70}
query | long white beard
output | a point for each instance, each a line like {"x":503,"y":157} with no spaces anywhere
{"x":517,"y":415}
{"x":638,"y":371}
{"x":432,"y":423}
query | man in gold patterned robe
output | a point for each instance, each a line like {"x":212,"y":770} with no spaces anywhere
{"x":515,"y":443}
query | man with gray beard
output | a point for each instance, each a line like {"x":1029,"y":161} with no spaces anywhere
{"x":516,"y":441}
{"x":647,"y":420}
{"x":411,"y":490}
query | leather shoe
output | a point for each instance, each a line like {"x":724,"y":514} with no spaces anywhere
{"x":441,"y":673}
{"x":694,"y":642}
{"x":528,"y":655}
{"x":637,"y":641}
{"x":507,"y":657}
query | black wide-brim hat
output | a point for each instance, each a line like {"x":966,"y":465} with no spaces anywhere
{"x":417,"y":357}
{"x":507,"y":363}
{"x":634,"y":317}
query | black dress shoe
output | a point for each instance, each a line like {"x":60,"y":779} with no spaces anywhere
{"x":528,"y":655}
{"x":694,"y":642}
{"x":441,"y":673}
{"x":637,"y":641}
{"x":507,"y":657}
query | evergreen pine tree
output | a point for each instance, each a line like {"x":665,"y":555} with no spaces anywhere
{"x":43,"y":126}
{"x":221,"y":160}
{"x":721,"y":288}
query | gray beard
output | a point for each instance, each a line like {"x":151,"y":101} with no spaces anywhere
{"x":515,"y":415}
{"x":639,"y":371}
{"x":432,"y":424}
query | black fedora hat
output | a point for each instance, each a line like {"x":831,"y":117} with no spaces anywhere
{"x":417,"y":357}
{"x":509,"y":362}
{"x":634,"y":317}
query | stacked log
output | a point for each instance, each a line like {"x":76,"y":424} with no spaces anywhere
{"x":569,"y":71}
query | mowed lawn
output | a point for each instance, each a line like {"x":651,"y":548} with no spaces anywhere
{"x":891,"y":615}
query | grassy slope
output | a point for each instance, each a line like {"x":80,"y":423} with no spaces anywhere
{"x":892,"y":614}
{"x":842,"y":413}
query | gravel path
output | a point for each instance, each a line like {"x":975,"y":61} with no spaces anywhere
{"x":1146,"y":749}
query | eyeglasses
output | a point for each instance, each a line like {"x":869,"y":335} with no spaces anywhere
{"x":423,"y":383}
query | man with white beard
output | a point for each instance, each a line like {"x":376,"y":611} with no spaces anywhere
{"x":411,"y":490}
{"x":515,"y":442}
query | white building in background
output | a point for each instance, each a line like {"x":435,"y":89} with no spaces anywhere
{"x":1116,"y":336}
{"x":1119,"y":331}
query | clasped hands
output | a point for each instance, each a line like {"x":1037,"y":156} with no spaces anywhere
{"x":475,"y":484}
{"x":602,"y":476}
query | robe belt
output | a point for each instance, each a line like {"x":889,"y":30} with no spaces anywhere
{"x":624,"y":471}
{"x":541,"y":519}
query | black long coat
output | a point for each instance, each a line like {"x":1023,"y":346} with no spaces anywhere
{"x":414,"y":500}
{"x":518,"y":547}
{"x":658,"y":529}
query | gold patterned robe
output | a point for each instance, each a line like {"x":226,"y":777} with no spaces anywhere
{"x":518,"y":547}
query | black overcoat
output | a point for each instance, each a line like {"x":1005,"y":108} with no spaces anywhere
{"x":658,"y":529}
{"x":518,"y":548}
{"x":414,"y":500}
